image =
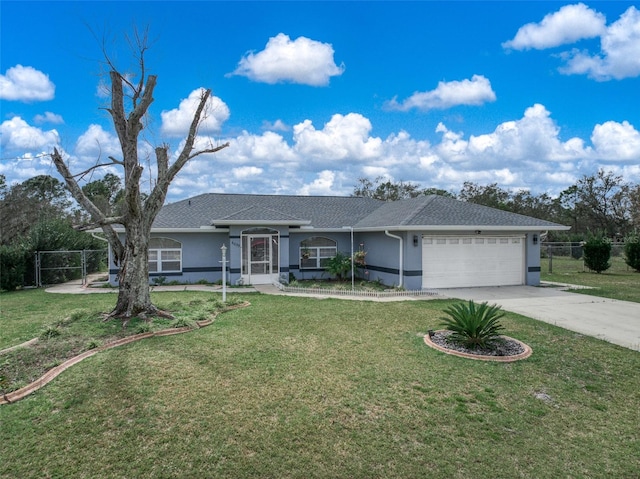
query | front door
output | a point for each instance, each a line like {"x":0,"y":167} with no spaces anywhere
{"x":260,"y":263}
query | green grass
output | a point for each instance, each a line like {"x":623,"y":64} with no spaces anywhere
{"x":618,"y":282}
{"x":305,"y":388}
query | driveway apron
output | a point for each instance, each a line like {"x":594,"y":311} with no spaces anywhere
{"x":617,"y":322}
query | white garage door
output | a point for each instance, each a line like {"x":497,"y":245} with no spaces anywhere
{"x":460,"y":262}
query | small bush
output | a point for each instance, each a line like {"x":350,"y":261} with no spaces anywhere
{"x":339,"y":265}
{"x":143,"y":328}
{"x":597,"y":253}
{"x":182,"y":323}
{"x":93,"y":344}
{"x":632,"y":251}
{"x":49,"y":332}
{"x":473,"y":325}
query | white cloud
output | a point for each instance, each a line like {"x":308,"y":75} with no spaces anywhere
{"x":245,"y":172}
{"x":321,"y":186}
{"x":176,"y":122}
{"x":48,"y":117}
{"x":525,"y":152}
{"x":302,"y":60}
{"x":343,"y":137}
{"x":616,"y":141}
{"x":277,"y":125}
{"x":17,"y":135}
{"x":476,"y":91}
{"x":520,"y":150}
{"x":26,"y":84}
{"x":269,"y":148}
{"x":95,"y":143}
{"x":568,"y":25}
{"x":620,"y":52}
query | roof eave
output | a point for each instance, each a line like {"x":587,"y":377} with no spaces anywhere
{"x":464,"y":228}
{"x":265,"y":223}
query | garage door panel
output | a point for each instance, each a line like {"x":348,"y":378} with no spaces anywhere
{"x":452,"y":262}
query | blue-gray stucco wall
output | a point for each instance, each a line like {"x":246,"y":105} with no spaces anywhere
{"x":201,"y":256}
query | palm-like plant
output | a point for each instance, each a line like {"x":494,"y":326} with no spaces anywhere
{"x":474,"y":325}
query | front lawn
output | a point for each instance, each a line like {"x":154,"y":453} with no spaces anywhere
{"x":308,"y":388}
{"x":618,"y":282}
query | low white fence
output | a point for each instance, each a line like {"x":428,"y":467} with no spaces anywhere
{"x":356,"y":292}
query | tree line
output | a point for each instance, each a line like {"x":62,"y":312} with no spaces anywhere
{"x":600,"y":204}
{"x":39,"y":215}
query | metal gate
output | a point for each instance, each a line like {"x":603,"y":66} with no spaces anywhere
{"x":54,"y":267}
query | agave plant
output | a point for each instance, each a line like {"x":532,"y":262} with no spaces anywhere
{"x":474,"y":325}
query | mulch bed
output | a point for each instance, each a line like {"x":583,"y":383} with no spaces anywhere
{"x":504,"y":349}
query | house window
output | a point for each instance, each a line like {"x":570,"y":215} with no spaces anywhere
{"x":316,"y":252}
{"x":165,"y":255}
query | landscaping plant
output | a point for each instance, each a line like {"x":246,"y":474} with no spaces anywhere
{"x":339,"y":265}
{"x":632,"y":251}
{"x":597,"y":253}
{"x":474,"y":325}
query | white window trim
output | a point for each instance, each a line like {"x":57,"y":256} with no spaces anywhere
{"x":318,"y":257}
{"x":158,"y":261}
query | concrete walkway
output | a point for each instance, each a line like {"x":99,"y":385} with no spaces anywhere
{"x":617,"y":322}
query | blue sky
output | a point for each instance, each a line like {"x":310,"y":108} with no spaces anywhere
{"x":314,"y":95}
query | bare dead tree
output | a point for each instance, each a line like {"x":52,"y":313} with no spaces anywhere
{"x":131,"y":255}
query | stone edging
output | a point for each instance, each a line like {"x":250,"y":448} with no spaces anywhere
{"x":50,"y":375}
{"x":17,"y":346}
{"x":482,"y":357}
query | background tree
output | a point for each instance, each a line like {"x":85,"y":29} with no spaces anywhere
{"x":490,"y":195}
{"x":131,"y":254}
{"x":25,"y":204}
{"x":106,"y":193}
{"x":37,"y":216}
{"x":391,"y":191}
{"x":602,"y":204}
{"x":634,"y":208}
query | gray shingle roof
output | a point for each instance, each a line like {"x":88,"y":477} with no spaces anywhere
{"x":442,"y":211}
{"x":213,"y":208}
{"x":338,"y":211}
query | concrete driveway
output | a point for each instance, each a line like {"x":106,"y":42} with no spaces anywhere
{"x":617,"y":322}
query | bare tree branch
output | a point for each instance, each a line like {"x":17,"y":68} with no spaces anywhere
{"x":95,"y":167}
{"x":96,"y":215}
{"x":209,"y":150}
{"x":109,"y":220}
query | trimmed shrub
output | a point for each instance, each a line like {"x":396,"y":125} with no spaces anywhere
{"x":632,"y":251}
{"x":597,"y":253}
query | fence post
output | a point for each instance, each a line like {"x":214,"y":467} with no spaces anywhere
{"x":550,"y":254}
{"x":37,"y":270}
{"x":83,"y":265}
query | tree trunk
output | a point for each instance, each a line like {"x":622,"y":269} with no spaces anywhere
{"x":134,"y":298}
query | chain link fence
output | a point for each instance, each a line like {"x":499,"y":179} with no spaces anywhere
{"x":555,"y":257}
{"x":55,"y":267}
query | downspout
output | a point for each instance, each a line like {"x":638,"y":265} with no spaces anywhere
{"x":401,"y":259}
{"x":93,"y":235}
